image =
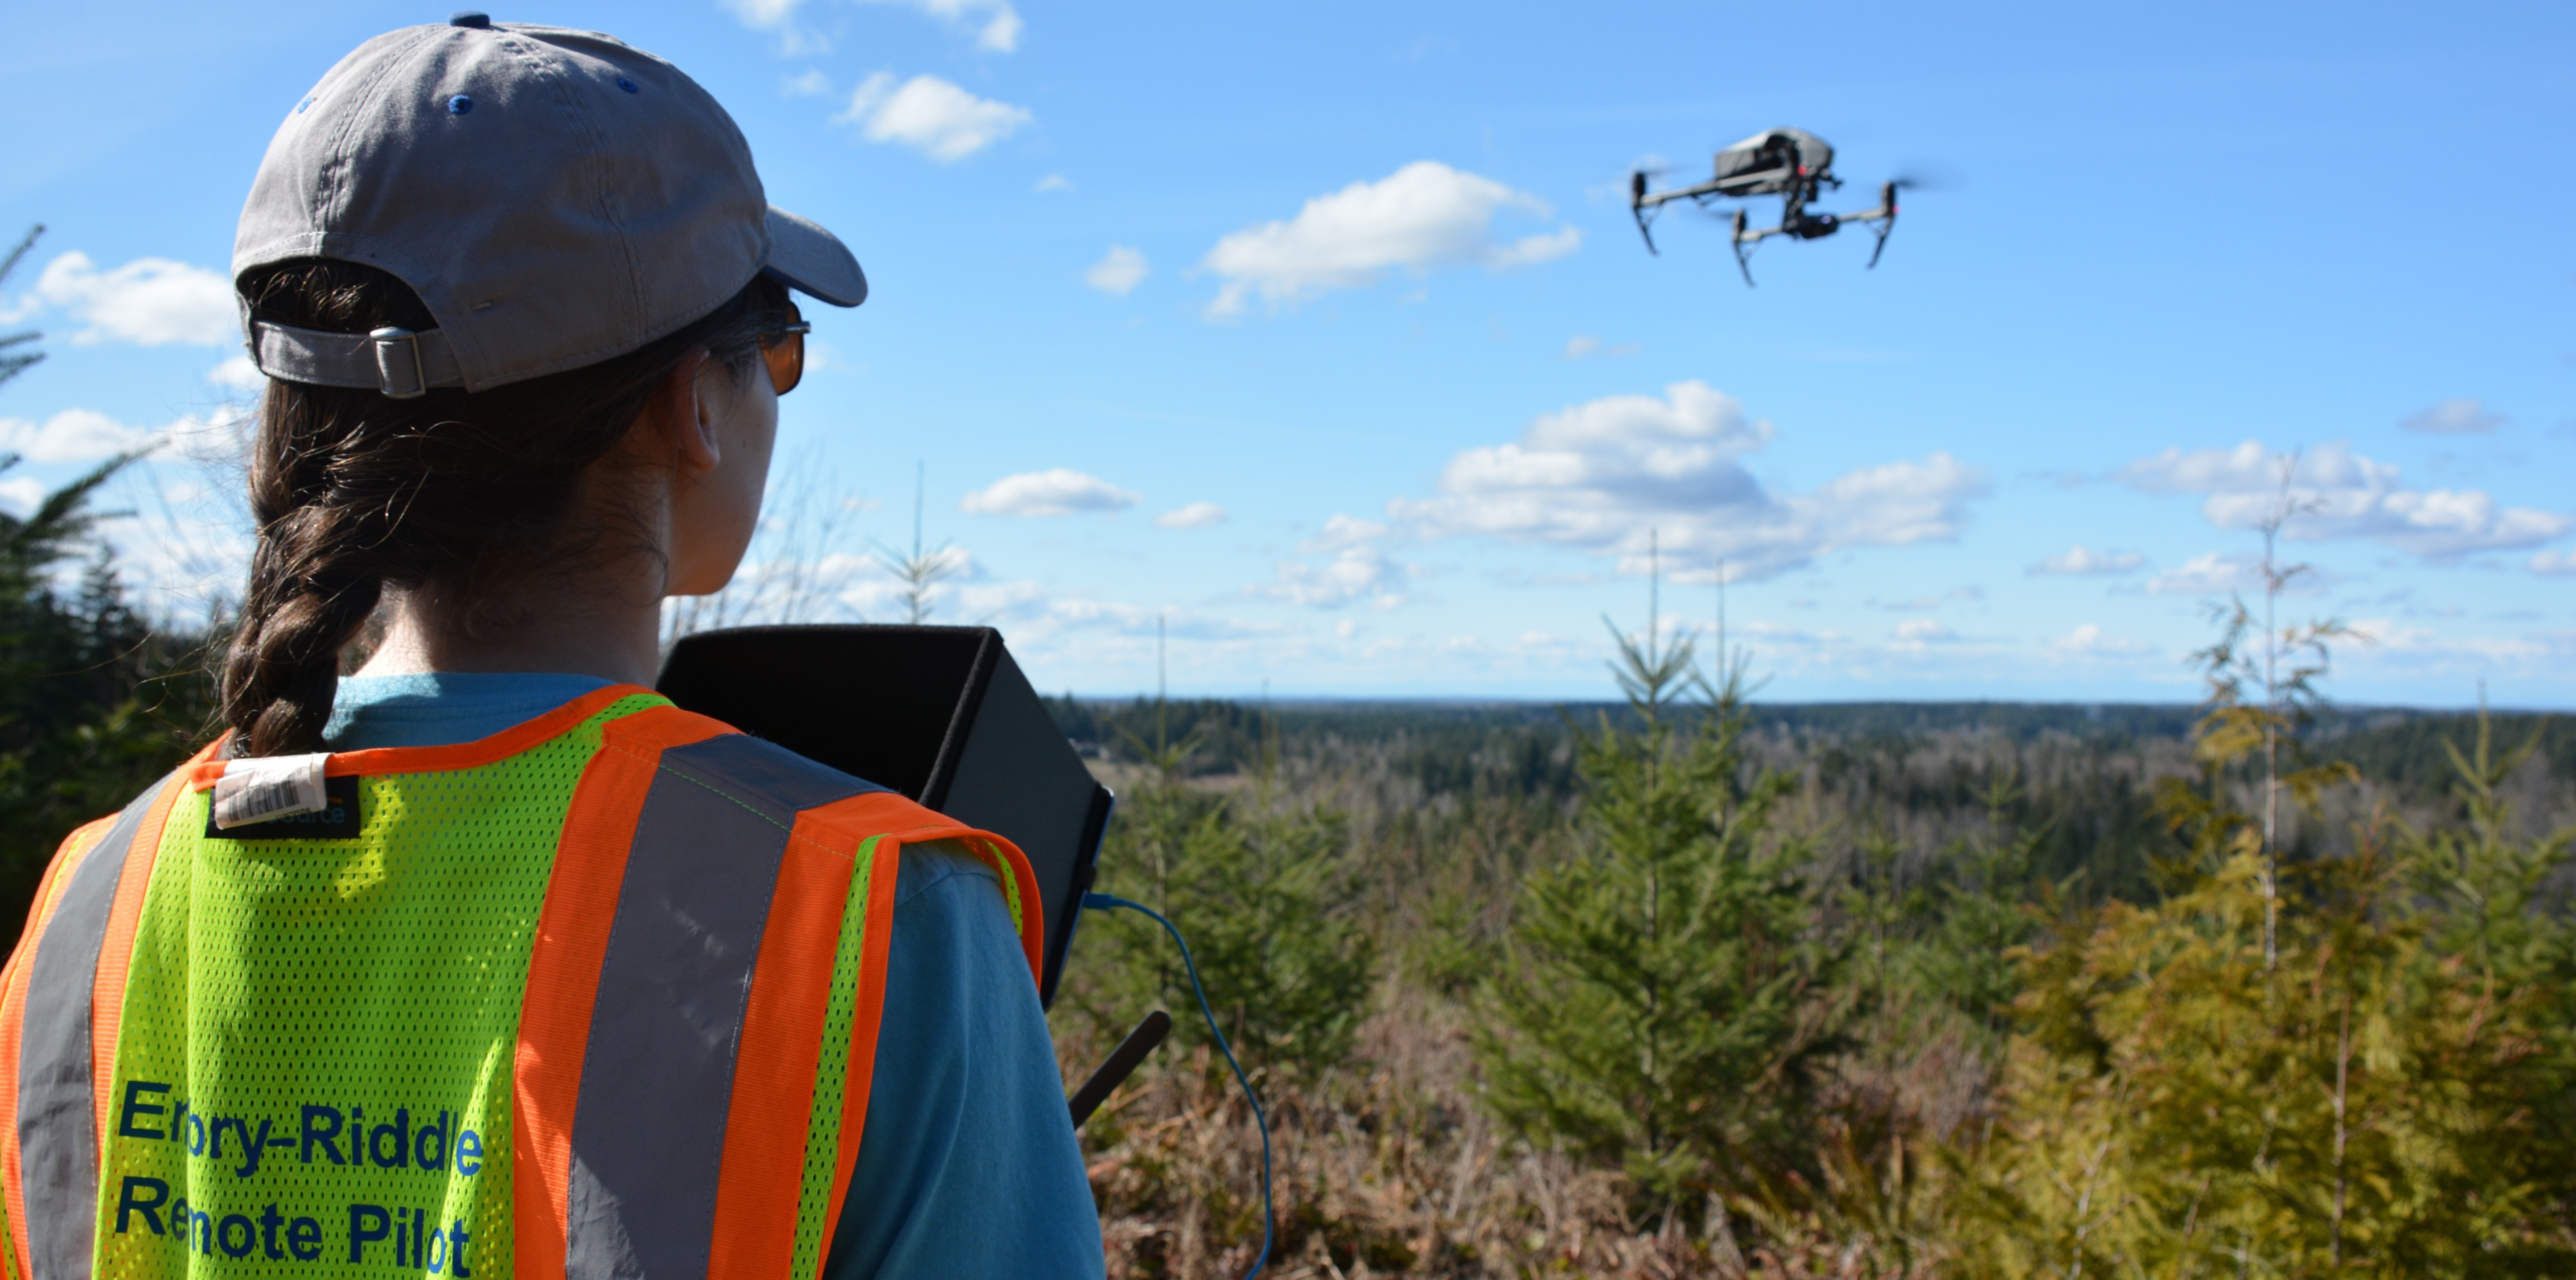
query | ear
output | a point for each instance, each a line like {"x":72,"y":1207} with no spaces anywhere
{"x":685,"y":411}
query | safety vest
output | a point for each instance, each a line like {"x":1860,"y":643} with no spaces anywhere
{"x":597,"y":996}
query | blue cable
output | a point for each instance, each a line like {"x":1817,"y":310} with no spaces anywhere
{"x":1112,"y":902}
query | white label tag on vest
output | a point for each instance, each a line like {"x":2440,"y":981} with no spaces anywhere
{"x":258,"y":789}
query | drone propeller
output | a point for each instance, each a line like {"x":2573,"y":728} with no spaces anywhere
{"x":1921,"y":178}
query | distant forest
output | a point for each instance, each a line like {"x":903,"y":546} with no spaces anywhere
{"x":2083,"y":775}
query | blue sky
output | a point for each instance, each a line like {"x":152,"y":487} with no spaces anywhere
{"x":1320,"y":332}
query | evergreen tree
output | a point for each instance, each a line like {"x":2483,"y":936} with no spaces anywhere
{"x":18,"y":350}
{"x":1261,"y":889}
{"x":94,"y":703}
{"x":1934,"y":953}
{"x":2358,"y":1067}
{"x":1663,"y":1003}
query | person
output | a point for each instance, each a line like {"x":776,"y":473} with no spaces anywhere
{"x":487,"y":961}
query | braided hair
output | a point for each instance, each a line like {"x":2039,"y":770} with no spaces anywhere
{"x":460,"y":495}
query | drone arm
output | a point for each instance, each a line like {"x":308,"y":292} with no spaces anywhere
{"x":1885,"y":218}
{"x":1649,"y":200}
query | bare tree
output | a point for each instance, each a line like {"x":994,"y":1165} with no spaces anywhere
{"x":922,"y":571}
{"x":2269,"y":694}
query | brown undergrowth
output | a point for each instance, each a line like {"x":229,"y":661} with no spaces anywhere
{"x":1391,"y":1168}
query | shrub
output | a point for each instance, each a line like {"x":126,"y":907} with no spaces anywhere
{"x":1262,"y":891}
{"x":2366,"y":1073}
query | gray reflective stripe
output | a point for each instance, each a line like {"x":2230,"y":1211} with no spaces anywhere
{"x":57,"y":1126}
{"x":657,"y":1077}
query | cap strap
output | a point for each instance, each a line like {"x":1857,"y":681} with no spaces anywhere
{"x":398,"y":362}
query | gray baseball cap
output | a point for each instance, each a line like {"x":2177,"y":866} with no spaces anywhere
{"x":556,"y":198}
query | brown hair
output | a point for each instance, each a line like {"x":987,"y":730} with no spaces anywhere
{"x":462,"y":492}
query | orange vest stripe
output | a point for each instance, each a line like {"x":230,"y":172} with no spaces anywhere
{"x":1014,"y":867}
{"x":887,"y":812}
{"x":903,"y":822}
{"x":204,"y":771}
{"x":782,"y":1041}
{"x":116,"y":947}
{"x":864,"y":1024}
{"x":563,"y":969}
{"x":673,"y":995}
{"x":57,"y":1095}
{"x":13,"y":1009}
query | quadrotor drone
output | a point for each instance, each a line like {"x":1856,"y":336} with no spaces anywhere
{"x":1792,"y":164}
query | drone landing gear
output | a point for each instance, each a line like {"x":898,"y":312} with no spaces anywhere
{"x":1645,"y":211}
{"x":1742,"y":242}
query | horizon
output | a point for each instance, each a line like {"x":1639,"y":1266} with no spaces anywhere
{"x":2332,"y":710}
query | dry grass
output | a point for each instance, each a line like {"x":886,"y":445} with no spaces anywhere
{"x":1391,"y":1169}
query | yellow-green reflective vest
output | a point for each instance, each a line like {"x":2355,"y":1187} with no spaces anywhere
{"x":596,"y":996}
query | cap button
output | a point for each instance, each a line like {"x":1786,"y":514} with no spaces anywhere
{"x":474,"y":18}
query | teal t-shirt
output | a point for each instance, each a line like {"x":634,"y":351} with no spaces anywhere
{"x":969,"y":1167}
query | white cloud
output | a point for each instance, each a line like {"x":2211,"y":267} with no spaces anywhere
{"x":2455,"y":418}
{"x":2212,"y":574}
{"x":995,"y":23}
{"x":1342,"y":532}
{"x":1424,"y":215}
{"x":237,"y":373}
{"x":74,"y":435}
{"x":2080,"y":561}
{"x":1053,"y":182}
{"x":1036,"y":617}
{"x":1119,"y":271}
{"x":149,"y":301}
{"x":1197,"y":515}
{"x":2341,"y":494}
{"x":763,"y":15}
{"x":2426,"y":650}
{"x":1057,"y":492}
{"x":821,"y":355}
{"x":2090,"y":641}
{"x":1582,"y":345}
{"x":1608,"y":475}
{"x":1358,"y":568}
{"x":2554,"y":564}
{"x":812,"y":84}
{"x":930,"y":115}
{"x":1932,"y":601}
{"x":779,"y":16}
{"x":22,"y":494}
{"x":1919,"y":632}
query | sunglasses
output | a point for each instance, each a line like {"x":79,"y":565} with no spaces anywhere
{"x":782,"y":348}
